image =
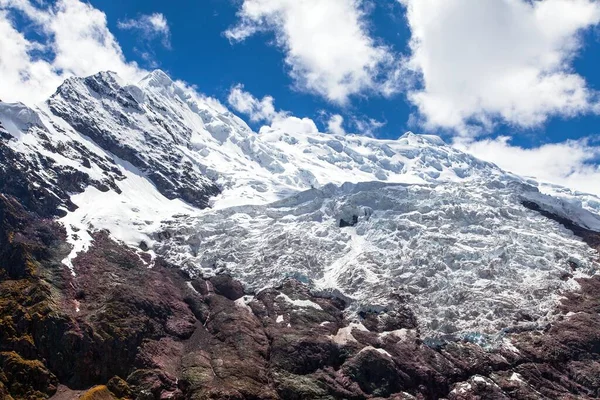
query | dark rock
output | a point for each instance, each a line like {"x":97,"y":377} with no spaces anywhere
{"x":345,"y":224}
{"x":144,"y":246}
{"x":590,"y":237}
{"x":119,"y":387}
{"x":391,"y":320}
{"x":4,"y":394}
{"x":303,"y":355}
{"x":42,"y":186}
{"x":227,"y":286}
{"x":154,"y":384}
{"x":298,"y":387}
{"x":26,"y":378}
{"x":376,"y":373}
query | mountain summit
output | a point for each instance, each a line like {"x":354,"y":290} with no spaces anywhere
{"x":330,"y":252}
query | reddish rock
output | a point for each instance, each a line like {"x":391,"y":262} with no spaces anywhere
{"x":172,"y":337}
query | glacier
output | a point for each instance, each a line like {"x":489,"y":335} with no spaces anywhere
{"x":464,"y":256}
{"x":424,"y":224}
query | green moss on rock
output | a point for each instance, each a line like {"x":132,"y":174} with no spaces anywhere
{"x":26,"y":378}
{"x":119,"y":387}
{"x":98,"y":393}
{"x":299,"y":387}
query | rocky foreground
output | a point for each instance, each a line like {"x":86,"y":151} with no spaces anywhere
{"x":128,"y":327}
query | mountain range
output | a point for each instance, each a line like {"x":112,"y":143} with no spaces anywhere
{"x":153,"y":246}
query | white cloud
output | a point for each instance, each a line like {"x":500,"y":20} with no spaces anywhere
{"x":327,"y":44}
{"x":246,"y":103}
{"x":76,"y":37}
{"x":479,"y":62}
{"x":573,"y":163}
{"x":264,"y":110}
{"x":291,"y":124}
{"x":22,"y":77}
{"x":368,"y":127}
{"x":150,"y":26}
{"x":334,"y":125}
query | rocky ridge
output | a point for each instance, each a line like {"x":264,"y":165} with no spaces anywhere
{"x":100,"y":108}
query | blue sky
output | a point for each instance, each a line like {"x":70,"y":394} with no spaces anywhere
{"x":513,"y":81}
{"x":200,"y":54}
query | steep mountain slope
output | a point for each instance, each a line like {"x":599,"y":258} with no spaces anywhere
{"x":391,"y":245}
{"x":178,"y":138}
{"x":442,"y":229}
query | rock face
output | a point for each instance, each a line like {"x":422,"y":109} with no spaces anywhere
{"x":154,"y":333}
{"x":114,"y":117}
{"x":43,"y":185}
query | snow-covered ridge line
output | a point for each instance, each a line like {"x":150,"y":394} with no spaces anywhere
{"x":569,"y":209}
{"x":187,"y":147}
{"x":369,"y":220}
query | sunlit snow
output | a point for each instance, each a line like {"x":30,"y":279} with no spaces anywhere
{"x":435,"y":228}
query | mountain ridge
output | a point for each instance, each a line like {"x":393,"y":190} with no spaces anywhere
{"x":328,"y":256}
{"x":178,"y":161}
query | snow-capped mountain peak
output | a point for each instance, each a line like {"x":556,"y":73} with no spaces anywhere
{"x":413,"y":139}
{"x":156,"y":78}
{"x":371,"y":220}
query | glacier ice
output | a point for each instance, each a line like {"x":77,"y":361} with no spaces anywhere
{"x":466,"y":256}
{"x":435,"y":228}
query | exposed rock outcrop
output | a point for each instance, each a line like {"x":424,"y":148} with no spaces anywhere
{"x":43,"y":186}
{"x":150,"y":332}
{"x":174,"y":175}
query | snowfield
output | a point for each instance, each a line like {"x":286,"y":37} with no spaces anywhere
{"x":379,"y":222}
{"x":465,"y":256}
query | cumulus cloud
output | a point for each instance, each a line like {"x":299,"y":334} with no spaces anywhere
{"x":76,"y":41}
{"x":334,"y":125}
{"x":327,"y":44}
{"x":244,"y":102}
{"x":22,"y":76}
{"x":572,"y":163}
{"x":479,"y":62}
{"x":263,"y":110}
{"x":150,"y":26}
{"x":368,"y":127}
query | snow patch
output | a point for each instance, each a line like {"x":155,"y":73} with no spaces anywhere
{"x":400,"y":334}
{"x":299,"y":303}
{"x":17,"y":118}
{"x":344,"y":335}
{"x":131,"y":217}
{"x":516,"y":377}
{"x":507,"y":344}
{"x":189,"y":284}
{"x":380,"y":351}
{"x":243,"y":302}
